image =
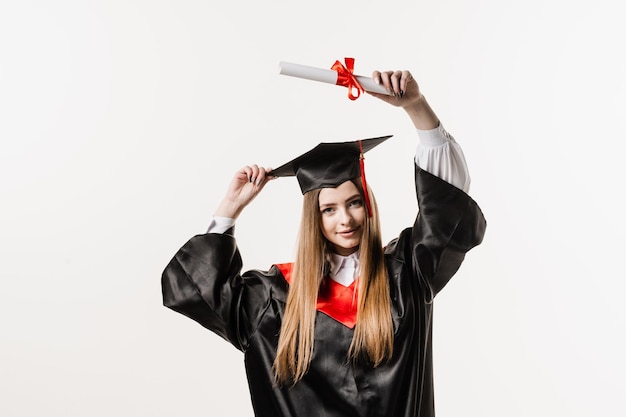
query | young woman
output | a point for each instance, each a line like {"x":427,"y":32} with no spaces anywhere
{"x":346,"y":329}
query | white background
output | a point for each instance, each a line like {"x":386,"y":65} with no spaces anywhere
{"x":121,"y":123}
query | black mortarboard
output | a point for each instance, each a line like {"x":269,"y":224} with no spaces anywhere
{"x":330,"y":164}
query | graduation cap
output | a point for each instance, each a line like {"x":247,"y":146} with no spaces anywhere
{"x":330,"y":164}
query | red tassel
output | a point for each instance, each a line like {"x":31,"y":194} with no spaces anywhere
{"x":363,"y":180}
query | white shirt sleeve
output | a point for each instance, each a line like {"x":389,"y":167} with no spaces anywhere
{"x":220,"y":224}
{"x":439,"y":154}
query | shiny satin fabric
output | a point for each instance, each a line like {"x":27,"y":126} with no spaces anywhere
{"x":204,"y":281}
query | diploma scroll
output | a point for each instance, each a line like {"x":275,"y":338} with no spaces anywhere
{"x":326,"y":76}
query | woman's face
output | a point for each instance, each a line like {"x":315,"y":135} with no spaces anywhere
{"x":343,"y":215}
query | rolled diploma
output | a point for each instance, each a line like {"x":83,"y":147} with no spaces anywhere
{"x":326,"y":76}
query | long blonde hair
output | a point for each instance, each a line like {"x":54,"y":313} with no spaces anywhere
{"x":373,"y":334}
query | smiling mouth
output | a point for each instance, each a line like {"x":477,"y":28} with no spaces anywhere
{"x":347,"y":233}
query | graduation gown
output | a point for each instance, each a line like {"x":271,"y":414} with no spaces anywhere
{"x":204,"y":282}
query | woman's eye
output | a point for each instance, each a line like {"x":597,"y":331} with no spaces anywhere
{"x":328,"y":210}
{"x":356,"y":203}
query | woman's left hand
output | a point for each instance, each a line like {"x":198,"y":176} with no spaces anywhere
{"x":400,"y":84}
{"x":406,"y":93}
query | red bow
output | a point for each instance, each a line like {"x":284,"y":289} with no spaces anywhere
{"x":346,"y":77}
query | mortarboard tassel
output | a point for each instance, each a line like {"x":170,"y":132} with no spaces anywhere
{"x":363,"y":180}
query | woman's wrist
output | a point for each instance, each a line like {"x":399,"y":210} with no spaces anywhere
{"x":228,"y":209}
{"x":421,"y":114}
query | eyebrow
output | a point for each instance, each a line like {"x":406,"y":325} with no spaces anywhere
{"x":351,"y":198}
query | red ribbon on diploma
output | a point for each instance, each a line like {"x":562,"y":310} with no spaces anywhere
{"x":346,"y":78}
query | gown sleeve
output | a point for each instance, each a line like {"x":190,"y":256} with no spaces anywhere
{"x":449,"y":223}
{"x":203,"y":281}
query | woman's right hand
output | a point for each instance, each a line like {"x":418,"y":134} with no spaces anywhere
{"x":246,"y":184}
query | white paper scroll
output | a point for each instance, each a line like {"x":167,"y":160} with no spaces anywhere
{"x":326,"y":76}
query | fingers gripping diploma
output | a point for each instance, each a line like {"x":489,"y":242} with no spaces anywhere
{"x":400,"y":84}
{"x":246,"y":184}
{"x":405,"y":93}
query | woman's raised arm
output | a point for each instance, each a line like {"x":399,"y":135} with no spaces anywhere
{"x":406,"y":94}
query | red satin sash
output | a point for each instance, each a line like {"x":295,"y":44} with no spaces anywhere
{"x":334,"y":300}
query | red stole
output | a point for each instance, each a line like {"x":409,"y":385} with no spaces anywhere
{"x":334,"y":300}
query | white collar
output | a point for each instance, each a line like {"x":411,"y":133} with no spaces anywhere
{"x":344,"y":269}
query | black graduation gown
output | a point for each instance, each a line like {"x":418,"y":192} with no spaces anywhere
{"x":204,"y":281}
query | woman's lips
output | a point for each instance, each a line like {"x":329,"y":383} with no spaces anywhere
{"x":347,"y":233}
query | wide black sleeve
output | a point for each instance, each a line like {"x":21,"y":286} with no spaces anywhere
{"x":204,"y":282}
{"x":449,"y":223}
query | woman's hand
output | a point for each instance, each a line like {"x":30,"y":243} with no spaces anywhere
{"x":406,"y":93}
{"x":246,"y":184}
{"x":400,"y":84}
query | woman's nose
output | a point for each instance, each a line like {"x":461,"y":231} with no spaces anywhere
{"x":346,"y":217}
